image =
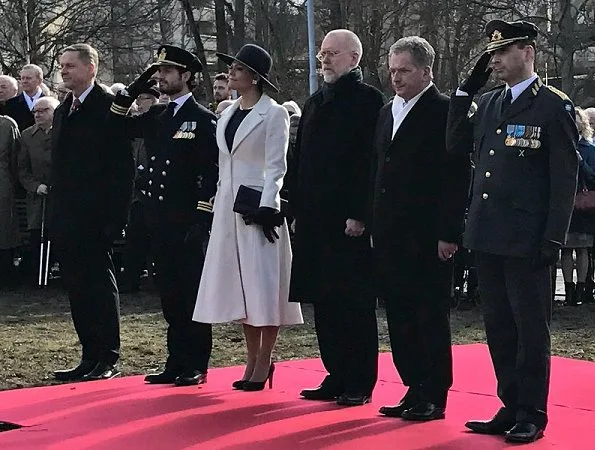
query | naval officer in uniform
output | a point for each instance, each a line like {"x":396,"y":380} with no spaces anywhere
{"x":182,"y":176}
{"x":525,"y":139}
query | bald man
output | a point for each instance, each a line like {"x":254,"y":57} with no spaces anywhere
{"x":330,"y":196}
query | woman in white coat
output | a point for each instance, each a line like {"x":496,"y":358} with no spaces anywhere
{"x":248,"y":261}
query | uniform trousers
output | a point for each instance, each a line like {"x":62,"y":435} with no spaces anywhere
{"x":348,"y":341}
{"x":517,"y":305}
{"x":418,"y":318}
{"x":136,"y":250}
{"x":88,"y":273}
{"x":179,"y":252}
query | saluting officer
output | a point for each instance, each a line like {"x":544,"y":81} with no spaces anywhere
{"x":525,"y":139}
{"x":182,"y":176}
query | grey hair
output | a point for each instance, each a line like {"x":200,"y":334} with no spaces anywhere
{"x":85,"y":52}
{"x":35,"y":68}
{"x":51,"y":101}
{"x":583,"y":124}
{"x":421,"y":51}
{"x":13,"y":81}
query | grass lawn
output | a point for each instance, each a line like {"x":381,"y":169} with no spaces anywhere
{"x":37,"y":336}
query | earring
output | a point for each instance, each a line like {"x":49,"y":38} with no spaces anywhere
{"x":254,"y":81}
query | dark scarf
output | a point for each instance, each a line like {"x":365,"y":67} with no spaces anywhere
{"x":344,"y":83}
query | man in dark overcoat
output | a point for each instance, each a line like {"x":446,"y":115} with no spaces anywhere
{"x":20,"y":107}
{"x":181,"y":182}
{"x":91,"y":183}
{"x":419,"y":204}
{"x":332,"y":263}
{"x":525,"y":139}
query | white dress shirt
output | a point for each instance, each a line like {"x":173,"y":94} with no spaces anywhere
{"x":180,"y":101}
{"x":31,"y":100}
{"x":401,"y":108}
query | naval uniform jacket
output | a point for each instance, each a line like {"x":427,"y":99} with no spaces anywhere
{"x":181,"y":172}
{"x":525,"y":172}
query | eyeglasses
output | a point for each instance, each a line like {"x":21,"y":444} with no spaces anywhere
{"x":321,"y":56}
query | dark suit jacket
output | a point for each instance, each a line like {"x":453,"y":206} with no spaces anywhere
{"x":18,"y":109}
{"x":420,"y":191}
{"x":181,"y":173}
{"x":92,"y":172}
{"x":521,"y":195}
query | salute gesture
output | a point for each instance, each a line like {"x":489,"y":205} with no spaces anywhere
{"x":479,"y":75}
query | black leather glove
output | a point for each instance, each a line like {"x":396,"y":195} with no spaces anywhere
{"x":548,"y":254}
{"x":479,"y":76}
{"x":268,"y":219}
{"x":143,"y":81}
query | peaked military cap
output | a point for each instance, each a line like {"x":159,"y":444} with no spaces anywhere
{"x":254,"y":58}
{"x":169,"y":55}
{"x":502,"y":34}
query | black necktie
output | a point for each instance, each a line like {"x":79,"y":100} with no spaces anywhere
{"x":171,"y":108}
{"x":76,"y":104}
{"x":507,"y":100}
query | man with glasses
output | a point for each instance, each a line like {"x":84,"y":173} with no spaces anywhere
{"x":330,"y":198}
{"x":35,"y":164}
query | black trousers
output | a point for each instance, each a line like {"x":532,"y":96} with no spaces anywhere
{"x":418,"y":317}
{"x":179,"y":251}
{"x":348,"y":340}
{"x":88,"y":273}
{"x":136,"y":250}
{"x":517,"y":302}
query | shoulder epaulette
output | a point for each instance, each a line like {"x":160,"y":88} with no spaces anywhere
{"x":558,"y":92}
{"x":536,"y":86}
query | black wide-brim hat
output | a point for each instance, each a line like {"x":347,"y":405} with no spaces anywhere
{"x":255,"y":58}
{"x":170,"y":55}
{"x":503,"y":34}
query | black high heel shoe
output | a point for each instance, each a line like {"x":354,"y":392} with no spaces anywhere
{"x":259,"y":385}
{"x":238,"y":384}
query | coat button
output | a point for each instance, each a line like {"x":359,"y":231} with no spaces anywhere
{"x":167,"y":162}
{"x":488,"y":174}
{"x":149,"y":193}
{"x":162,"y":186}
{"x":485,"y":196}
{"x":152,"y":158}
{"x":151,"y":170}
{"x":492,"y":152}
{"x":498,"y":131}
{"x":161,"y":198}
{"x":164,"y":173}
{"x":150,"y":182}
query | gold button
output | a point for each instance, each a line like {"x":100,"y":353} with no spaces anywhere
{"x":152,"y":158}
{"x":151,"y":170}
{"x":492,"y":152}
{"x":162,"y":186}
{"x":150,"y":182}
{"x":149,"y":194}
{"x":485,"y":196}
{"x":167,"y":162}
{"x":498,"y":131}
{"x":161,"y":198}
{"x":488,"y":174}
{"x":164,"y":173}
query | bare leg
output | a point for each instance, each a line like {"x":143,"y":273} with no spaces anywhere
{"x":253,"y":338}
{"x":263,"y":362}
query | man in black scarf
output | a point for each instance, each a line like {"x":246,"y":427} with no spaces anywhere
{"x":330,"y":197}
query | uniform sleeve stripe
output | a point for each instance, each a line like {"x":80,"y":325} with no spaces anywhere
{"x":204,"y":206}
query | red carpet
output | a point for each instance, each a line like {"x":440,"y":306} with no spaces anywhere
{"x":127,"y":414}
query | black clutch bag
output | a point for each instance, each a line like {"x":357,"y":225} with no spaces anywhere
{"x":248,"y":201}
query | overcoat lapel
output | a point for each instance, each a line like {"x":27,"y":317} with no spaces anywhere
{"x":252,"y":120}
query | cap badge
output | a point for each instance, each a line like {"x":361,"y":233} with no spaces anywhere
{"x":496,"y":36}
{"x":162,"y":55}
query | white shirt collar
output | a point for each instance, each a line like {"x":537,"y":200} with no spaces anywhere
{"x":180,"y":101}
{"x":401,"y":108}
{"x":31,"y":100}
{"x":519,"y":88}
{"x":83,"y":96}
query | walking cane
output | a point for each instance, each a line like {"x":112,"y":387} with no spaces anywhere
{"x":44,"y":250}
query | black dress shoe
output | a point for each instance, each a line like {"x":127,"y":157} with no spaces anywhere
{"x":102,"y":371}
{"x":191,"y":378}
{"x":166,"y":377}
{"x":397,"y":410}
{"x":77,"y":373}
{"x":524,"y":432}
{"x":503,"y":421}
{"x":353,"y":399}
{"x":320,"y":393}
{"x":423,"y":411}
